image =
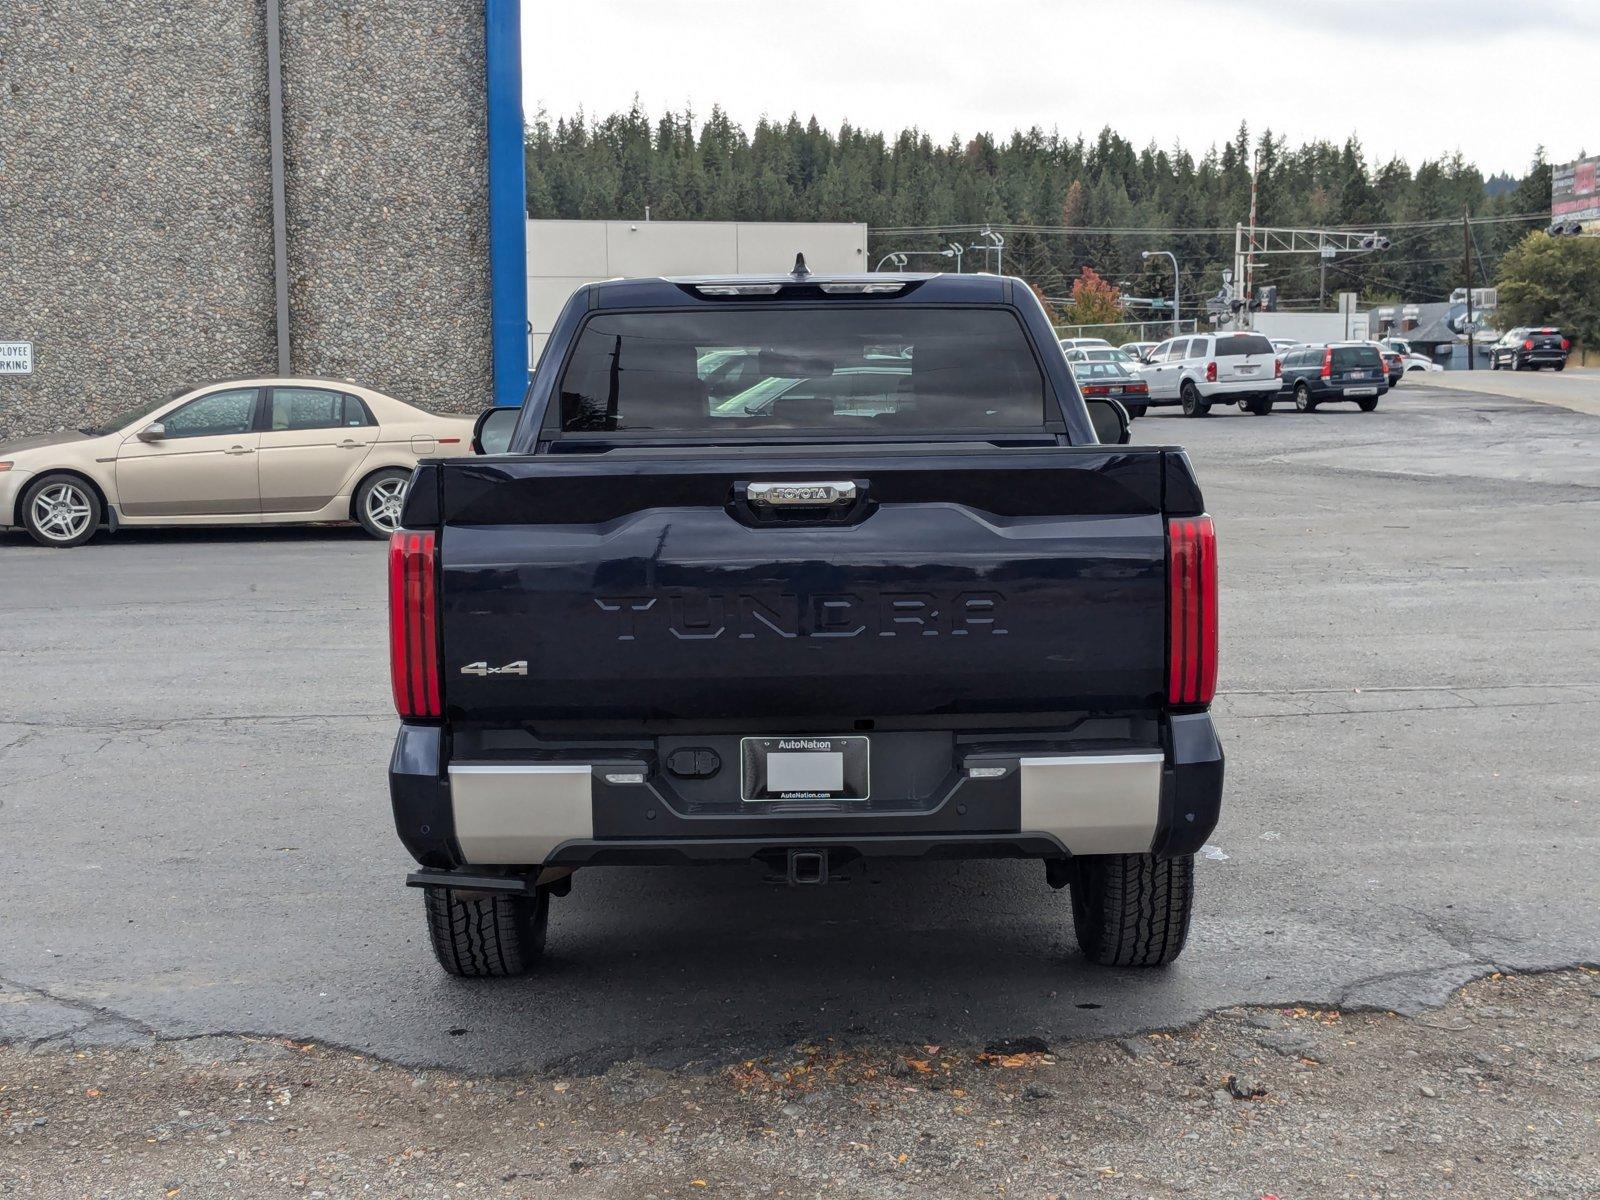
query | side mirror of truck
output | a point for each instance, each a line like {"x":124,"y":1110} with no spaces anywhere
{"x":492,"y":433}
{"x":1111,"y":422}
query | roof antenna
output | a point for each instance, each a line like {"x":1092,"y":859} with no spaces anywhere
{"x":800,"y":269}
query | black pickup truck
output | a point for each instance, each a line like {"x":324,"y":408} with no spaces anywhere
{"x":804,"y":571}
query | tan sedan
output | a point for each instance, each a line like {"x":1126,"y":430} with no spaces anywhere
{"x":243,"y":452}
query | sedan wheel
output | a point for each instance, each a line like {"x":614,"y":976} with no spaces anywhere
{"x":61,"y":511}
{"x":379,"y":500}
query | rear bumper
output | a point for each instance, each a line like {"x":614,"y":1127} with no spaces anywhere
{"x":1323,"y":390}
{"x":1234,"y":389}
{"x":515,"y":816}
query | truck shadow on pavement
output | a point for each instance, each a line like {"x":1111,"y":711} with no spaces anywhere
{"x":669,"y":966}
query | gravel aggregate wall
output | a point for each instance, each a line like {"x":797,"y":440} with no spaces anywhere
{"x":135,"y":200}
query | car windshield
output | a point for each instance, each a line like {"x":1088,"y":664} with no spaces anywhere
{"x":843,"y":370}
{"x":123,"y":419}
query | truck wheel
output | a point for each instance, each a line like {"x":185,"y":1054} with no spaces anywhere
{"x":1367,"y":405}
{"x":1302,"y":398}
{"x":1193,"y":405}
{"x":486,"y":935}
{"x":1132,"y":910}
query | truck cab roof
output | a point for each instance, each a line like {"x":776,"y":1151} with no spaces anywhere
{"x":678,"y":290}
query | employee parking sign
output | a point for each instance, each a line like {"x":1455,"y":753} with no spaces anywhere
{"x":16,"y":358}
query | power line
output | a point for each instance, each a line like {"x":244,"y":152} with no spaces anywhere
{"x":1190,"y":231}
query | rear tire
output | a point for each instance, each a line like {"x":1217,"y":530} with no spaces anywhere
{"x":486,"y":935}
{"x":1302,"y":398}
{"x":1135,"y":411}
{"x":1261,"y":406}
{"x":379,"y":499}
{"x":1367,"y":405}
{"x":1193,"y":404}
{"x":1132,"y":910}
{"x":1560,"y":366}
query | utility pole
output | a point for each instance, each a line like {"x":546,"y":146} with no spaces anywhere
{"x":1250,"y":259}
{"x":1466,"y":247}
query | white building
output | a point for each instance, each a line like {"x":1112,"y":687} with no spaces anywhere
{"x":563,"y":255}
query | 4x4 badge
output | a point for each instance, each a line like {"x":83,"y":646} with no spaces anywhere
{"x":520,"y":667}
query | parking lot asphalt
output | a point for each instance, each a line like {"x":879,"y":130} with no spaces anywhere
{"x":1577,"y":388}
{"x":194,"y":728}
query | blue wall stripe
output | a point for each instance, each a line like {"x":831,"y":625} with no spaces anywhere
{"x":508,"y":206}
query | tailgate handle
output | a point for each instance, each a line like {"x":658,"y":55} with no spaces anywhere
{"x":821,"y":494}
{"x":801,"y":502}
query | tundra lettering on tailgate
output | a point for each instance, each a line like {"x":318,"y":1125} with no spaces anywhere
{"x":702,"y":616}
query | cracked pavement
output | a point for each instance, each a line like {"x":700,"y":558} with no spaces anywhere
{"x":194,"y":728}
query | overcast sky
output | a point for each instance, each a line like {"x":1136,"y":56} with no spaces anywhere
{"x":1417,"y":78}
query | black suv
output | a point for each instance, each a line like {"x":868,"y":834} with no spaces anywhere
{"x":1351,"y":371}
{"x":1529,"y":349}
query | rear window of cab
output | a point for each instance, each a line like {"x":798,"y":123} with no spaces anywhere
{"x":844,"y":370}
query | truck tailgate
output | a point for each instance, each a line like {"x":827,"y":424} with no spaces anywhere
{"x":961,"y":581}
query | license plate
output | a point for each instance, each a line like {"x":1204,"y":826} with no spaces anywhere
{"x":804,"y":768}
{"x":1247,"y":369}
{"x":1371,"y":391}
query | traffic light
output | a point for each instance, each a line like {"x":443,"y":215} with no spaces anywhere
{"x":1267,"y":298}
{"x":1566,"y":228}
{"x":1373,"y":242}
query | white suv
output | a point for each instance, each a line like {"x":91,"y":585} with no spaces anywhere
{"x":1203,"y":369}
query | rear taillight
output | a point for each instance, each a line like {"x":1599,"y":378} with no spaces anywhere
{"x":1137,"y":388}
{"x":1528,"y":345}
{"x":1327,"y":363}
{"x":1211,"y":372}
{"x":1566,"y":345}
{"x":1096,"y":389}
{"x":413,"y":625}
{"x":1192,"y":603}
{"x":1277,"y":368}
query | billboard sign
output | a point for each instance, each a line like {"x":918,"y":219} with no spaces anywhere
{"x":1574,"y":194}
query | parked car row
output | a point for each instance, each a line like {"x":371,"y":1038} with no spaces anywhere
{"x":1197,"y":371}
{"x":236,"y":452}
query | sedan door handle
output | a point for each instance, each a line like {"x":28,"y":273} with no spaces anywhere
{"x":238,"y":450}
{"x":349,"y":444}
